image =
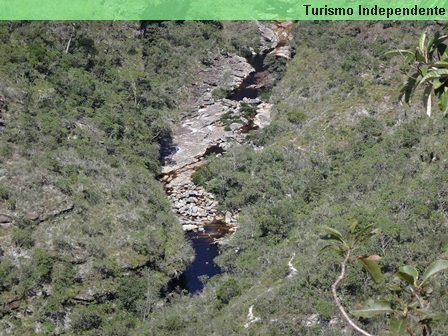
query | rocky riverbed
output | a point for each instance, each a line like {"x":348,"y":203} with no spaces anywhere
{"x":203,"y":133}
{"x":209,"y":127}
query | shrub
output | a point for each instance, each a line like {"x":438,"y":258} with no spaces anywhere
{"x":228,"y":290}
{"x":23,"y":237}
{"x":85,"y":318}
{"x":4,"y":193}
{"x":7,"y":274}
{"x":276,"y":65}
{"x":220,"y":93}
{"x":296,"y":117}
{"x":173,"y":323}
{"x":370,"y":130}
{"x":131,"y":292}
{"x":248,"y":111}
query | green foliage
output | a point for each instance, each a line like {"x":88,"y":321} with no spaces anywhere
{"x":409,"y":274}
{"x":7,"y":275}
{"x":436,"y":267}
{"x":409,"y":305}
{"x":219,"y":93}
{"x":248,"y":111}
{"x":4,"y":193}
{"x":131,"y":292}
{"x":82,"y":152}
{"x":80,"y":149}
{"x":227,"y":291}
{"x":370,"y":130}
{"x":296,"y":117}
{"x":276,"y":65}
{"x":229,"y":118}
{"x":23,"y":237}
{"x":358,"y":156}
{"x":86,"y":129}
{"x":426,"y":68}
{"x":353,"y":239}
{"x":121,"y":326}
{"x":372,"y":267}
{"x":173,"y":323}
{"x":373,"y":308}
{"x":85,"y":318}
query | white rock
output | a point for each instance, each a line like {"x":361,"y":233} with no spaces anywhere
{"x":189,"y":227}
{"x":228,"y":217}
{"x":312,"y":320}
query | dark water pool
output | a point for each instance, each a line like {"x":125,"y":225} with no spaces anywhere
{"x":206,"y":250}
{"x":203,"y":264}
{"x":247,"y":88}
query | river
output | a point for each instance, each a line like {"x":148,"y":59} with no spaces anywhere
{"x":203,"y":236}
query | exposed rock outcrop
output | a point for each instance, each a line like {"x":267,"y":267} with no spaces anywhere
{"x":202,"y":133}
{"x":276,"y":36}
{"x":198,"y":136}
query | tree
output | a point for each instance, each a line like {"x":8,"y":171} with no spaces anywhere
{"x":426,"y":67}
{"x":407,"y":304}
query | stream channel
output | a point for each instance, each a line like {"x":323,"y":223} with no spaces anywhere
{"x":204,"y":241}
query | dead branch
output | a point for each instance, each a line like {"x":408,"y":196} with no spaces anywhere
{"x":338,"y":302}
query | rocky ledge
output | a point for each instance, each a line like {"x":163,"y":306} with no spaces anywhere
{"x":202,"y":130}
{"x":202,"y":133}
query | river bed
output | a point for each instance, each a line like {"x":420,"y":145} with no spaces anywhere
{"x":203,"y":238}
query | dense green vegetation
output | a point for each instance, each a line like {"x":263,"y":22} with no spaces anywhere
{"x":93,"y":233}
{"x":340,"y":150}
{"x":84,"y":108}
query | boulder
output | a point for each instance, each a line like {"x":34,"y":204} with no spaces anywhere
{"x":229,"y":103}
{"x":189,"y":227}
{"x":251,"y":101}
{"x":5,"y":219}
{"x":191,"y":200}
{"x":263,"y":117}
{"x":228,"y":217}
{"x":312,"y":321}
{"x":235,"y":126}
